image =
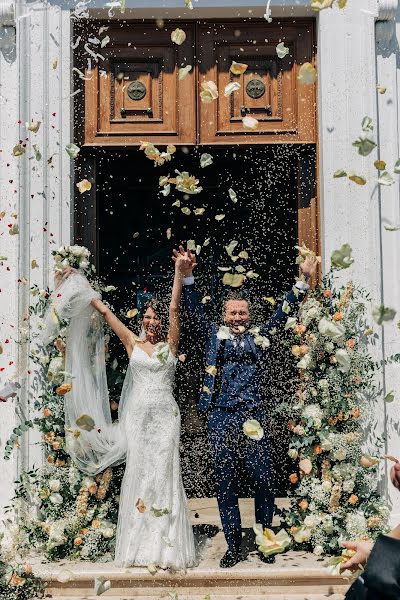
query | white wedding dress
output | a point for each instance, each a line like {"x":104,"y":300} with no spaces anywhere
{"x":153,"y":521}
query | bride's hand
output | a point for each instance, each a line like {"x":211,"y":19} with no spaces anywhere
{"x":61,"y":276}
{"x":185,"y":262}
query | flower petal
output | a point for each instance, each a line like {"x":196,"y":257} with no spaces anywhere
{"x":231,"y":87}
{"x":178,"y":36}
{"x":249,"y":122}
{"x":307,"y":74}
{"x":281,"y":50}
{"x":183,"y":72}
{"x":238,"y":68}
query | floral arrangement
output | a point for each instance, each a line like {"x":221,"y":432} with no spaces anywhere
{"x":62,"y":512}
{"x":333,"y":488}
{"x":17,"y":581}
{"x":72,"y":256}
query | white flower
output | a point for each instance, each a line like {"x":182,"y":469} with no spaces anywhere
{"x":318,"y":550}
{"x":326,"y":485}
{"x":224,"y":333}
{"x":356,"y":524}
{"x":261,"y":340}
{"x":312,"y":521}
{"x":313,"y":411}
{"x":348,"y":485}
{"x":162,"y":352}
{"x":343,"y":360}
{"x":306,"y":362}
{"x":55,"y":485}
{"x":61,"y":250}
{"x":302,"y":535}
{"x":323,"y":384}
{"x":309,"y":311}
{"x":108,"y":532}
{"x":56,"y":499}
{"x":299,"y":430}
{"x":328,"y":328}
{"x":340,"y":454}
{"x":293,"y":453}
{"x":75,"y":250}
{"x":55,"y":372}
{"x":253,"y":429}
{"x":84,"y":264}
{"x":329,"y":346}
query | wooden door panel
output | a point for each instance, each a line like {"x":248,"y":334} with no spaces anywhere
{"x":269,"y":90}
{"x":135,"y":93}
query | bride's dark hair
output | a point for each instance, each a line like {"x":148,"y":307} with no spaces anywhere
{"x":161,"y":311}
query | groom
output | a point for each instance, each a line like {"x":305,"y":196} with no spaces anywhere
{"x":232,"y":394}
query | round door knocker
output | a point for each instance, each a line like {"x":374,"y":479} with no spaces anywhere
{"x":255,"y":88}
{"x":136,"y":90}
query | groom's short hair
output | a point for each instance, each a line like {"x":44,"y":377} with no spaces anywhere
{"x":235,"y":295}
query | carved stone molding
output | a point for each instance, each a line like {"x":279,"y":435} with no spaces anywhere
{"x":7,"y":14}
{"x":387,"y":9}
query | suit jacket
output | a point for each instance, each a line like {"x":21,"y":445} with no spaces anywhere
{"x":207,"y":333}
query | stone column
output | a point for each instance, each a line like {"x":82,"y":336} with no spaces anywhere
{"x":387,"y":59}
{"x":35,"y":86}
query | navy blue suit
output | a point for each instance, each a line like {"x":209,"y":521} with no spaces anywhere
{"x":229,"y":398}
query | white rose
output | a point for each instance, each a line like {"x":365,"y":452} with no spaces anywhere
{"x":318,"y":550}
{"x":83,"y":264}
{"x":56,"y":499}
{"x":329,"y":346}
{"x":326,"y":485}
{"x":44,"y":360}
{"x":299,"y":430}
{"x":340,"y":454}
{"x":330,"y":329}
{"x":343,"y":360}
{"x":253,"y":429}
{"x":323,"y":384}
{"x":317,"y":423}
{"x":61,"y":250}
{"x":55,"y":485}
{"x":306,"y":362}
{"x":327,"y":524}
{"x":348,"y":485}
{"x":302,"y":535}
{"x":108,"y":532}
{"x":312,"y":521}
{"x":326,"y":443}
{"x":293,"y":453}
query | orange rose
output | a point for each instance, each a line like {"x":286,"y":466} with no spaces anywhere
{"x":317,"y":449}
{"x":60,"y":463}
{"x":293,"y":478}
{"x":333,"y":360}
{"x":332,"y":420}
{"x":300,"y":329}
{"x":303,"y":504}
{"x":351,"y":343}
{"x":357,"y":380}
{"x":340,"y":415}
{"x":84,"y":531}
{"x":47,"y":412}
{"x":304,"y":349}
{"x":356,"y":412}
{"x":49,"y":437}
{"x":327,"y":293}
{"x":64,"y":389}
{"x":353,"y":499}
{"x":293,"y":530}
{"x":95,"y":523}
{"x":338,"y":316}
{"x":78,"y":541}
{"x":28,"y":568}
{"x":50,"y":459}
{"x":291,"y":425}
{"x":56,"y":445}
{"x":16,"y":580}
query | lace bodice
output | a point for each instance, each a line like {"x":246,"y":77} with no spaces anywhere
{"x":149,"y":372}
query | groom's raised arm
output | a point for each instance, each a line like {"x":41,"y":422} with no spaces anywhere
{"x":294,"y":297}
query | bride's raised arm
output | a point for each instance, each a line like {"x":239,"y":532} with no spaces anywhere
{"x":126,"y":336}
{"x":182,"y":263}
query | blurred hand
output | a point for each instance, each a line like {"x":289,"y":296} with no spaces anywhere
{"x":309,"y":266}
{"x":186,"y":260}
{"x":362,"y":552}
{"x":395,"y":475}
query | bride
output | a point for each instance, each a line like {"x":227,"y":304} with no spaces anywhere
{"x":153,"y":521}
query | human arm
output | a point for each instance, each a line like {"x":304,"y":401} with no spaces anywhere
{"x":182,"y":263}
{"x":294,"y":297}
{"x":124,"y":333}
{"x":191,"y":296}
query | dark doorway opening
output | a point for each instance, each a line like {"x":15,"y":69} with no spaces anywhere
{"x":133,"y":253}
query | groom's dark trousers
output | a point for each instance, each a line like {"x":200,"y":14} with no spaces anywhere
{"x":230,"y":397}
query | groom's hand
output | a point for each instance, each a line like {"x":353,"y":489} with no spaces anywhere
{"x":309,"y":266}
{"x":191,"y":263}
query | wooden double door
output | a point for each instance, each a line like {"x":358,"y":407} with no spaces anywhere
{"x":135,"y":92}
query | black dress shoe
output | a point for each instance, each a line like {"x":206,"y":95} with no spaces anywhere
{"x":230,"y":559}
{"x":267,"y":559}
